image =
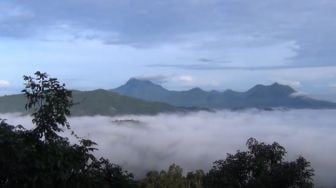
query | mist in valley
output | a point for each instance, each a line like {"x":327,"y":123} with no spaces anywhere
{"x":195,"y":140}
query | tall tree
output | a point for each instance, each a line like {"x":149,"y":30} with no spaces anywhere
{"x":50,"y":102}
{"x":41,"y":157}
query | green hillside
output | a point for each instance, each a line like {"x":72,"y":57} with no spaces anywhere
{"x":103,"y":102}
{"x":12,"y":103}
{"x":97,"y":102}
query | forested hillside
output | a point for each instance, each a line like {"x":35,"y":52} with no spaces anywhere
{"x":97,"y":102}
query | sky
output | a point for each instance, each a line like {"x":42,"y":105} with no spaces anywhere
{"x":181,"y":44}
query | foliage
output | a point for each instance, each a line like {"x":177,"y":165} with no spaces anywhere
{"x":172,"y":178}
{"x":51,"y":103}
{"x":261,"y":166}
{"x":195,"y":179}
{"x":41,"y":157}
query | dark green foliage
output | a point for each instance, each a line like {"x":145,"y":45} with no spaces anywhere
{"x":50,"y":102}
{"x":195,"y":179}
{"x":261,"y":166}
{"x":172,"y":178}
{"x":41,"y":157}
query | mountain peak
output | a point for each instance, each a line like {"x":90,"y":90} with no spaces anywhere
{"x":138,"y":81}
{"x":268,"y":90}
{"x":196,"y":89}
{"x":140,"y":88}
{"x":141,"y":83}
{"x":276,"y":85}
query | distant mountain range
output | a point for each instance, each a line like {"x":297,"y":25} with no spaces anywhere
{"x":97,"y":102}
{"x":260,"y":96}
{"x":145,"y":97}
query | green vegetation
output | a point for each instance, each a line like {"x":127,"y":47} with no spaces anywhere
{"x":172,"y":178}
{"x":97,"y":102}
{"x":262,"y":166}
{"x":42,"y":158}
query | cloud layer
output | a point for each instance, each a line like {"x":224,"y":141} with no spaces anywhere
{"x":305,"y":27}
{"x":220,"y":44}
{"x":4,"y":83}
{"x":195,"y":140}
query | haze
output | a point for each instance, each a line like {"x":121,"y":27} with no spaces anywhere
{"x":195,"y":140}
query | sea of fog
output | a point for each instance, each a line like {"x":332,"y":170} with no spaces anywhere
{"x":195,"y":140}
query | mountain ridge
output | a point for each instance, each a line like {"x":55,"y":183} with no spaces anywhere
{"x":147,"y":98}
{"x":96,"y":102}
{"x":259,"y":96}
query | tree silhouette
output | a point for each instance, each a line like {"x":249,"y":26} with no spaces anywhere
{"x":261,"y":166}
{"x":51,"y":103}
{"x":41,"y":157}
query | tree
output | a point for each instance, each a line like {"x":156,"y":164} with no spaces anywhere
{"x":261,"y":166}
{"x":195,"y":179}
{"x":50,"y":102}
{"x":41,"y":157}
{"x":172,"y":178}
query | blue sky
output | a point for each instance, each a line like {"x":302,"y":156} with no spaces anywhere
{"x":213,"y":44}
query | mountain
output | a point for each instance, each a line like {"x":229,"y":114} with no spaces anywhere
{"x":259,"y":96}
{"x":97,"y":102}
{"x":145,"y":97}
{"x":143,"y":89}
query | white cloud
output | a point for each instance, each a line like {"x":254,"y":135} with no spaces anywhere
{"x":153,"y":78}
{"x":195,"y":140}
{"x":292,"y":83}
{"x":4,"y":83}
{"x":184,"y":78}
{"x":299,"y":94}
